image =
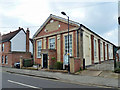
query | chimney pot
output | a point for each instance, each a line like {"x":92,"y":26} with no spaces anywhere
{"x":27,"y":28}
{"x":19,"y":28}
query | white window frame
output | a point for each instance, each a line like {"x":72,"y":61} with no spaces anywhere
{"x":101,"y":49}
{"x":39,"y":47}
{"x":2,"y":59}
{"x":52,"y":43}
{"x":2,"y":47}
{"x":6,"y":59}
{"x":109,"y":52}
{"x":70,"y":44}
{"x":95,"y":47}
{"x":105,"y":51}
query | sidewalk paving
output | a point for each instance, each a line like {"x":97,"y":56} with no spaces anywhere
{"x":85,"y":78}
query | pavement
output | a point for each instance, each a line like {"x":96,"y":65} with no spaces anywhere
{"x":84,"y":78}
{"x":107,"y":65}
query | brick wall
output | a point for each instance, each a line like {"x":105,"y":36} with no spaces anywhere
{"x":75,"y":64}
{"x":92,"y":49}
{"x":107,"y":52}
{"x":15,"y":57}
{"x":99,"y":51}
{"x":63,"y":27}
{"x":104,"y":50}
{"x":61,"y":46}
{"x":27,"y":40}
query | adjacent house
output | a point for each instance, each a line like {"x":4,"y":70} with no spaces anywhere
{"x":51,"y":40}
{"x":14,"y":45}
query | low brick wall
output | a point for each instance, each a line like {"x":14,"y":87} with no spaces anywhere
{"x":15,"y":57}
{"x":75,"y":64}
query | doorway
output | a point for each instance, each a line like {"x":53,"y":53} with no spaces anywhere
{"x":45,"y":60}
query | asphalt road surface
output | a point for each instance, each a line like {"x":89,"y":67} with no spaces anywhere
{"x":10,"y":80}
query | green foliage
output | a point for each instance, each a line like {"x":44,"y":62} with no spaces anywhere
{"x":58,"y":65}
{"x":81,"y":69}
{"x":53,"y":58}
{"x":28,"y":62}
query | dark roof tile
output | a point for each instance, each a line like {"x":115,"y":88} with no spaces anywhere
{"x":9,"y":36}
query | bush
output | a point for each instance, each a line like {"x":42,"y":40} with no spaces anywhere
{"x":58,"y":65}
{"x":53,"y":58}
{"x":27,"y":62}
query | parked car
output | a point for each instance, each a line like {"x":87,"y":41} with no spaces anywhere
{"x":17,"y":65}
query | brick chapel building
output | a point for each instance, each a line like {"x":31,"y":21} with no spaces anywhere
{"x":51,"y":40}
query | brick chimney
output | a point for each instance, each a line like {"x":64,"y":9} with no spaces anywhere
{"x":27,"y":40}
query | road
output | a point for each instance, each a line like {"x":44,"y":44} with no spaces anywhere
{"x":10,"y":80}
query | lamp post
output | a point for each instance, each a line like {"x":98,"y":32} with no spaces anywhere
{"x":68,"y":43}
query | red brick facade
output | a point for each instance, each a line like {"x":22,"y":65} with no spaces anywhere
{"x":27,"y":40}
{"x":104,"y":50}
{"x":63,"y":27}
{"x":99,"y":51}
{"x":74,"y":43}
{"x":92,"y":49}
{"x":77,"y":64}
{"x":107,"y":53}
{"x":59,"y":35}
{"x":61,"y":46}
{"x":9,"y":56}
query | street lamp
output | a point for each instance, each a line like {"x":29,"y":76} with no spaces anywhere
{"x":68,"y":42}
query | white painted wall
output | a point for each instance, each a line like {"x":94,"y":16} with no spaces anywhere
{"x":110,"y":51}
{"x":87,"y":48}
{"x":105,"y":51}
{"x":96,"y":58}
{"x":18,"y":42}
{"x":102,"y":55}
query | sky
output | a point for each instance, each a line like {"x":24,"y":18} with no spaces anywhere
{"x":100,"y":16}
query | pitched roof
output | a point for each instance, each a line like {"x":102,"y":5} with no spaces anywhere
{"x":57,"y":18}
{"x":66,"y":21}
{"x":9,"y":36}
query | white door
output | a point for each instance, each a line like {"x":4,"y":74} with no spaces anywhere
{"x":87,"y":51}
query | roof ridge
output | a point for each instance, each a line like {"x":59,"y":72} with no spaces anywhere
{"x":10,"y":32}
{"x":70,"y":21}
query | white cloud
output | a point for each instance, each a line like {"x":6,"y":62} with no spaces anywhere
{"x":84,"y":0}
{"x":29,"y":10}
{"x":78,"y":13}
{"x":96,"y":16}
{"x":112,"y":36}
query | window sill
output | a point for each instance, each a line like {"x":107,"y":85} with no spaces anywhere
{"x":38,"y":57}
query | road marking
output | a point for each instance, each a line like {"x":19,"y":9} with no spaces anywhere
{"x":23,"y":84}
